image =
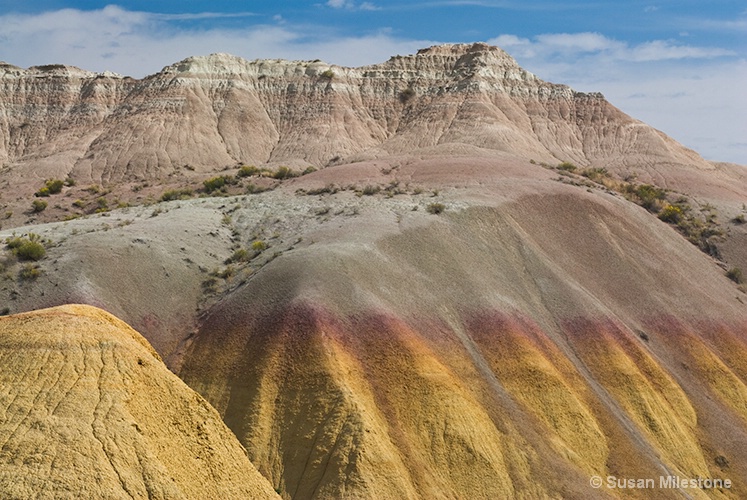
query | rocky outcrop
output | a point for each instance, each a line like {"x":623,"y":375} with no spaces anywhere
{"x":209,"y":112}
{"x":88,"y":410}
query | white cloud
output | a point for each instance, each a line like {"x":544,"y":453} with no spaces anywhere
{"x":351,"y":5}
{"x":574,"y":45}
{"x":137,"y":44}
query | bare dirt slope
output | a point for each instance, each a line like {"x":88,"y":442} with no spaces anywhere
{"x":88,"y":410}
{"x":530,"y":335}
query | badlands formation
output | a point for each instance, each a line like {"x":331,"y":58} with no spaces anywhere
{"x":483,"y":286}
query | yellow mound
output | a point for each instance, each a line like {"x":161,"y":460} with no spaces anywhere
{"x":88,"y":410}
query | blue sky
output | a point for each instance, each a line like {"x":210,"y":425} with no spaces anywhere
{"x":677,"y":65}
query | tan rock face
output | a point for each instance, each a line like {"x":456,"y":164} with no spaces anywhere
{"x":209,"y":112}
{"x":88,"y":410}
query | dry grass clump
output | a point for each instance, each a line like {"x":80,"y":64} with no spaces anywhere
{"x":28,"y":248}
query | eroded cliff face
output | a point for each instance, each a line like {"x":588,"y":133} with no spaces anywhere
{"x":50,"y":114}
{"x":209,"y":112}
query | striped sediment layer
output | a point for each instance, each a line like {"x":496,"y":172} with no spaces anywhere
{"x":483,"y":404}
{"x":526,"y":361}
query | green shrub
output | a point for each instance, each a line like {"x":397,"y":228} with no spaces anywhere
{"x":218,"y":183}
{"x":252,"y":188}
{"x":259,"y":246}
{"x":55,"y":186}
{"x":284,"y":173}
{"x":595,"y":174}
{"x":214,"y":184}
{"x":671,"y":214}
{"x":329,"y":74}
{"x":436,"y":208}
{"x":38,"y":206}
{"x":42,"y":193}
{"x":648,"y":196}
{"x":567,"y":167}
{"x":308,"y":170}
{"x":248,"y":171}
{"x":177,"y":194}
{"x":227,"y":272}
{"x":240,"y":255}
{"x":735,"y":274}
{"x":29,"y":272}
{"x":27,"y":248}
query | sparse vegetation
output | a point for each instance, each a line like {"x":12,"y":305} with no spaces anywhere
{"x":328,"y":189}
{"x":567,"y":167}
{"x":436,"y":208}
{"x":735,"y":274}
{"x":103,"y":204}
{"x":259,"y":246}
{"x":54,"y":186}
{"x":214,"y":183}
{"x":51,"y":186}
{"x":595,"y":174}
{"x":29,"y":272}
{"x":240,"y":255}
{"x":284,"y":173}
{"x":650,"y":197}
{"x":252,"y":188}
{"x":739,"y":219}
{"x":27,"y":248}
{"x":671,"y":214}
{"x":371,"y":190}
{"x":248,"y":171}
{"x":38,"y":206}
{"x":701,"y":229}
{"x":328,"y":74}
{"x":177,"y":194}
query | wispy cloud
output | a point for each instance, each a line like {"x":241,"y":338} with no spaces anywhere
{"x":139,"y":43}
{"x":351,"y":5}
{"x":202,"y":15}
{"x":583,"y":44}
